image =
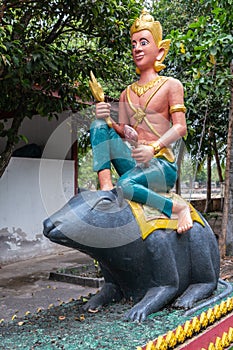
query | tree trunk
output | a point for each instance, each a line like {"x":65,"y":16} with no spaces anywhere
{"x":12,"y":140}
{"x":208,"y":185}
{"x":219,"y":169}
{"x":226,"y":237}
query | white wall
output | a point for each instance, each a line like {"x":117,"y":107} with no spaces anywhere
{"x":39,"y":130}
{"x":30,"y":190}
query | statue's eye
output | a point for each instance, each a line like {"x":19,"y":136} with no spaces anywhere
{"x":144,"y":42}
{"x":102,"y":202}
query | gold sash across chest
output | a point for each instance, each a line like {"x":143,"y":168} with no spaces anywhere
{"x":140,"y":116}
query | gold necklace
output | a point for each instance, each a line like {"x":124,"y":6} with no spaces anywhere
{"x":142,"y":89}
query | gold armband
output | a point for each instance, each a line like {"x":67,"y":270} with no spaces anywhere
{"x":109,"y":122}
{"x":156,"y":147}
{"x":177,"y":108}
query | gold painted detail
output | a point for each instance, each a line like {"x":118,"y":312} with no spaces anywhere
{"x":142,"y":89}
{"x":156,"y":147}
{"x":139,"y":115}
{"x":180,"y":334}
{"x":171,"y":339}
{"x":161,"y":344}
{"x":188,"y":329}
{"x":96,"y":88}
{"x":193,"y":327}
{"x":204,"y":320}
{"x":98,"y":93}
{"x":147,"y":22}
{"x":211,"y":316}
{"x":150,"y":219}
{"x":177,"y":108}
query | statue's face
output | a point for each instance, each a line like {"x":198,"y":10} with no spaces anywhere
{"x":144,"y":50}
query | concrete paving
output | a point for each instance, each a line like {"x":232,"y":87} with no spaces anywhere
{"x":25,"y":286}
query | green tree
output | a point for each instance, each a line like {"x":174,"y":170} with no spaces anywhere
{"x":49,"y":47}
{"x":200,"y":57}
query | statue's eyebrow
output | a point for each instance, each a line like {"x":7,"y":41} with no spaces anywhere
{"x":134,"y":41}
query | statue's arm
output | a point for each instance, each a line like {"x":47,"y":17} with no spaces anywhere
{"x":177,"y":113}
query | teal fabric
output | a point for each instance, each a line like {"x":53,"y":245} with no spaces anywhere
{"x":138,"y":182}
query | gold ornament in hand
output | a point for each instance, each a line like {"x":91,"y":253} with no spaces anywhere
{"x":96,"y":88}
{"x":98,"y":94}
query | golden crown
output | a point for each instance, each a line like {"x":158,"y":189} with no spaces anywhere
{"x":147,"y":22}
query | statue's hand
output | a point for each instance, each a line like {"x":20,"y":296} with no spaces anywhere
{"x":102,"y":110}
{"x":143,"y":153}
{"x":131,"y":135}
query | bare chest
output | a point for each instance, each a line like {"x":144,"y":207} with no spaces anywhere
{"x":152,"y":103}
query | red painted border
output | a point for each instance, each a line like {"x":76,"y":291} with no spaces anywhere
{"x":205,"y":337}
{"x":209,"y":335}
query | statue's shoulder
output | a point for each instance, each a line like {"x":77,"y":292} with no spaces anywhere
{"x":174,"y":82}
{"x":123,"y":94}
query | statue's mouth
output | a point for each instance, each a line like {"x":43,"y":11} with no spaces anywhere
{"x":52,"y":232}
{"x":51,"y":229}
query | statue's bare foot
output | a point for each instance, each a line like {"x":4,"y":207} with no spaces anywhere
{"x":182,"y":210}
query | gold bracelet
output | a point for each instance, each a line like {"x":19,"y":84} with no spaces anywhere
{"x":156,"y":147}
{"x":177,"y":108}
{"x":109,"y":122}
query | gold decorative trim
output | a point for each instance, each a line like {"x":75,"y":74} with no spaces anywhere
{"x":178,"y":336}
{"x":140,"y":90}
{"x":109,"y":122}
{"x":156,"y":146}
{"x":177,"y":108}
{"x":147,"y":22}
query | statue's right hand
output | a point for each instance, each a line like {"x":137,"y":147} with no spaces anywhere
{"x":102,"y":110}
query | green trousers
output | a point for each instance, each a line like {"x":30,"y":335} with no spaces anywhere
{"x":138,"y":183}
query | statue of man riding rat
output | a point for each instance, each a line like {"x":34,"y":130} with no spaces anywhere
{"x":152,"y":262}
{"x":151,"y":117}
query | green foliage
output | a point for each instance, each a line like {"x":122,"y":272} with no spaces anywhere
{"x":200,"y":56}
{"x":47,"y":49}
{"x":51,"y":46}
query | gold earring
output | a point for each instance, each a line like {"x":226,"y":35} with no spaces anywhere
{"x":158,"y":66}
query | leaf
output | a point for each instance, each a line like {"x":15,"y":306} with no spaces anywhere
{"x":23,"y":138}
{"x":182,"y":48}
{"x":212,"y":59}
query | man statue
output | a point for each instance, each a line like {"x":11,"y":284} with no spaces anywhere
{"x":154,"y":107}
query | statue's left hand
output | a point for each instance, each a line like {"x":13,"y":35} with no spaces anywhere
{"x":143,"y":153}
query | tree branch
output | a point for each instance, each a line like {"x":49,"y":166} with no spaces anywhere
{"x":7,"y":153}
